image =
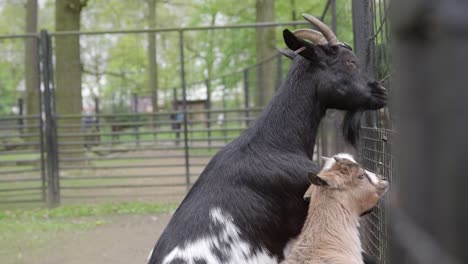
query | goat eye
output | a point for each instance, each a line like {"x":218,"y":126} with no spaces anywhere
{"x":362,"y":176}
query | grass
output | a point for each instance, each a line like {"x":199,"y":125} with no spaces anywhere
{"x":30,"y":228}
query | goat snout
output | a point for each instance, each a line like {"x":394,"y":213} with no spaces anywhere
{"x":383,"y":187}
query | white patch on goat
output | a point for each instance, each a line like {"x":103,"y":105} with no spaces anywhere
{"x":373,"y":177}
{"x":331,"y":161}
{"x":289,"y":246}
{"x":239,"y":251}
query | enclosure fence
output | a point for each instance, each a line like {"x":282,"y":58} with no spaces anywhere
{"x":371,"y":32}
{"x":121,"y":151}
{"x":120,"y":148}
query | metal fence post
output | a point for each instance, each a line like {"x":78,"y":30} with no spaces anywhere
{"x":41,"y":123}
{"x":224,"y":124}
{"x":246,"y":96}
{"x":184,"y":108}
{"x":279,"y":71}
{"x":208,"y":113}
{"x":363,"y":30}
{"x":135,"y":118}
{"x":53,"y":182}
{"x":21,"y":115}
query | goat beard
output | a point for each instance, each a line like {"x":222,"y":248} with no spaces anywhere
{"x":352,"y":126}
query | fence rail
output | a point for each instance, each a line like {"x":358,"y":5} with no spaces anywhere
{"x":53,"y":157}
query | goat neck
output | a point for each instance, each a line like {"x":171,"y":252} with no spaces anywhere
{"x":291,"y":120}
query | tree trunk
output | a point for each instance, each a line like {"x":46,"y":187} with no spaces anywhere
{"x":68,"y":70}
{"x":152,"y":65}
{"x":31,"y":69}
{"x":265,"y":48}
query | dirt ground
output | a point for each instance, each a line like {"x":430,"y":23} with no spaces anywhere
{"x":125,"y":239}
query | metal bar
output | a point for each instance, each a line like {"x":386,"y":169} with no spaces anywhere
{"x":333,"y":14}
{"x":20,"y":180}
{"x":3,"y":136}
{"x":113,"y":177}
{"x":253,"y":109}
{"x":325,"y":10}
{"x":41,"y":123}
{"x":4,"y":118}
{"x":18,"y":36}
{"x":246,"y":96}
{"x":87,"y":168}
{"x":17,"y":171}
{"x":134,"y":158}
{"x":122,"y":186}
{"x":151,"y":132}
{"x":20,"y":189}
{"x":52,"y":175}
{"x":180,"y":30}
{"x":19,"y":201}
{"x":184,"y":99}
{"x":70,"y":143}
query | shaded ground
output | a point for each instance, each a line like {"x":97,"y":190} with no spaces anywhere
{"x":123,"y":239}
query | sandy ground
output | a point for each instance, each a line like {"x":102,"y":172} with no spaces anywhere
{"x":126,"y":239}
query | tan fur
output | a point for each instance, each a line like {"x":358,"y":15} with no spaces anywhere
{"x":330,"y":234}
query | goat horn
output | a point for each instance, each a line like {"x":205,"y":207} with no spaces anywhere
{"x":311,"y":35}
{"x":326,"y":31}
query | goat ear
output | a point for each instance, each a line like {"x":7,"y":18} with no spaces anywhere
{"x":298,"y":46}
{"x":338,"y":159}
{"x":287,"y":52}
{"x":317,"y":180}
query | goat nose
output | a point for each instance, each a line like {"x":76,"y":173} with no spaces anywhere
{"x":384,"y":185}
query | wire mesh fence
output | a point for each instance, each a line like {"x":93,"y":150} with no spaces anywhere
{"x":377,"y":135}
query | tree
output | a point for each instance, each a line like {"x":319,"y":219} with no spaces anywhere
{"x":265,"y":48}
{"x":152,"y":65}
{"x":68,"y":65}
{"x":31,"y":62}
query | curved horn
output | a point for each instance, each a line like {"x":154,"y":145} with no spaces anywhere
{"x":326,"y":31}
{"x":311,"y":35}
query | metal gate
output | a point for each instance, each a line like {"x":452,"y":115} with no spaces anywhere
{"x":22,"y":148}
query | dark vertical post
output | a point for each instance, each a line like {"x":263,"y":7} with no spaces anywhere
{"x":41,"y":123}
{"x":224,"y":125}
{"x":208,"y":113}
{"x":246,"y":96}
{"x":279,"y":71}
{"x":21,"y":115}
{"x":136,"y":119}
{"x":333,"y":14}
{"x":184,"y":105}
{"x":53,"y":183}
{"x":175,"y":120}
{"x":97,"y":111}
{"x":364,"y":45}
{"x":429,"y":223}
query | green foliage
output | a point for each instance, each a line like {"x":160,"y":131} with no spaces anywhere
{"x":116,"y":65}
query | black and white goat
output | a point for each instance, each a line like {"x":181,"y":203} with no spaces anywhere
{"x":248,"y":202}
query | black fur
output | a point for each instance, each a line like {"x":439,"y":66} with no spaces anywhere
{"x":260,"y":177}
{"x":352,"y":126}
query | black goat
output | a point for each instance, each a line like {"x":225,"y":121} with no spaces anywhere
{"x":248,"y":202}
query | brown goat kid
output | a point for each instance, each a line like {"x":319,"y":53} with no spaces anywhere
{"x":339,"y":194}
